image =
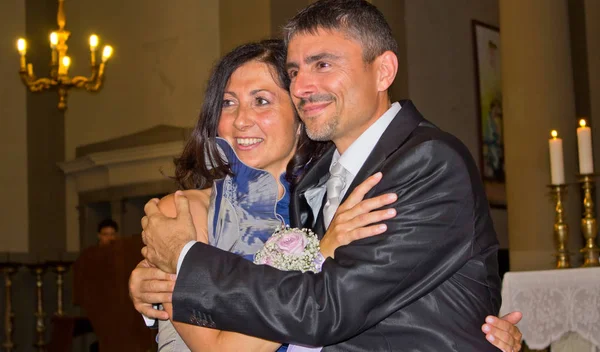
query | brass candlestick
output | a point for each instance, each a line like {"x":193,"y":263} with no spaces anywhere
{"x":9,"y":269}
{"x":589,"y":227}
{"x":561,"y":229}
{"x":40,"y":326}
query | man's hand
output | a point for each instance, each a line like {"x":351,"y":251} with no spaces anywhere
{"x":502,"y":332}
{"x":149,"y":285}
{"x":165,"y":237}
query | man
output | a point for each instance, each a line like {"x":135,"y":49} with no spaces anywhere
{"x":424,"y":285}
{"x":108,"y":231}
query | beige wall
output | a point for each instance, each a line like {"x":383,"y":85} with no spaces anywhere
{"x":157,"y":76}
{"x":13,"y":141}
{"x":441,"y":71}
{"x":243,"y":21}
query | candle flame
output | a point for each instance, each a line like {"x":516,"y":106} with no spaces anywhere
{"x":554,"y":134}
{"x":66,"y":61}
{"x":53,"y":39}
{"x":107,"y":53}
{"x":21,"y":46}
{"x":93,"y":41}
{"x":582,"y":123}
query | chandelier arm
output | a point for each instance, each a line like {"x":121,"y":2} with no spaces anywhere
{"x":37,"y":85}
{"x":79,"y":81}
{"x":94,"y":85}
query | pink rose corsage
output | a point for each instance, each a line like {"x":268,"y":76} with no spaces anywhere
{"x":291,"y":249}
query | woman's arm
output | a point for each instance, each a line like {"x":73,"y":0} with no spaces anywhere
{"x":199,"y":338}
{"x":212,"y":340}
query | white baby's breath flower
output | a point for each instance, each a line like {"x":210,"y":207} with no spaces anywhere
{"x":291,"y":249}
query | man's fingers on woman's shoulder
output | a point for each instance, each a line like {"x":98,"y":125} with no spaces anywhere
{"x":151,"y":206}
{"x":157,"y":274}
{"x":157,"y":286}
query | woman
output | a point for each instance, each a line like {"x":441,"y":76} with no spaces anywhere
{"x":262,"y":151}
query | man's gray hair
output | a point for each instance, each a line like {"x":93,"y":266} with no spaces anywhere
{"x":358,"y":19}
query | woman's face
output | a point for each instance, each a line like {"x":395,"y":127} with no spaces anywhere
{"x":258,"y":119}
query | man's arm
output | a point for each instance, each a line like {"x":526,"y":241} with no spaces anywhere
{"x":431,"y":238}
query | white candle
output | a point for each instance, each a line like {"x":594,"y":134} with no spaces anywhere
{"x":584,"y":144}
{"x":557,"y":168}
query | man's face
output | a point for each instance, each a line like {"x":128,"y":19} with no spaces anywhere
{"x":106,"y":235}
{"x":332,"y":87}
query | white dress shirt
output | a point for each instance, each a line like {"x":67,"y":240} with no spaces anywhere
{"x":354,"y":157}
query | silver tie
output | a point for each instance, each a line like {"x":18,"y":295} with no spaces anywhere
{"x":335,"y":185}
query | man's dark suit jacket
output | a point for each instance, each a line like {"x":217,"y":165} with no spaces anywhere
{"x":424,"y":285}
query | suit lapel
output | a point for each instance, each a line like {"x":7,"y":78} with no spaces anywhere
{"x":403,"y":124}
{"x":300,"y":211}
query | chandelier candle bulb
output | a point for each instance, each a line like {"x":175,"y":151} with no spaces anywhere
{"x":557,"y":168}
{"x":93,"y":42}
{"x":93,"y":47}
{"x":22,"y":48}
{"x":107,"y":53}
{"x":584,"y":144}
{"x":63,"y":69}
{"x":53,"y":40}
{"x":53,"y":44}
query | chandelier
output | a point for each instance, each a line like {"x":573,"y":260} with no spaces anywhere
{"x":59,"y":79}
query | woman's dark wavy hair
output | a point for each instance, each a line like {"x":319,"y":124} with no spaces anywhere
{"x":200,"y":163}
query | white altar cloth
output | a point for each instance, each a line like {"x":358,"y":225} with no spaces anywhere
{"x":556,"y":303}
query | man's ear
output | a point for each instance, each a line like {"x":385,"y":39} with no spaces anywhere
{"x":387,"y":68}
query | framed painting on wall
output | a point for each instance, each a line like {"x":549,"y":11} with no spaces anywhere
{"x":488,"y":83}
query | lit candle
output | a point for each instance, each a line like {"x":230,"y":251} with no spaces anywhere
{"x":53,"y":40}
{"x":63,"y":69}
{"x":584,"y":144}
{"x":53,"y":44}
{"x":22,"y":48}
{"x":93,"y":47}
{"x":107,"y":53}
{"x":93,"y":42}
{"x":557,"y":168}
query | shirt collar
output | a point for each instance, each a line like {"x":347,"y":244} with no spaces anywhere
{"x":358,"y":152}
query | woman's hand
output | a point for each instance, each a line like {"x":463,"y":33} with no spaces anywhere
{"x":351,"y":220}
{"x":503,"y":332}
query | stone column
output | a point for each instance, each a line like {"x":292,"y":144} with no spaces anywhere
{"x":538,"y":96}
{"x":592,"y":35}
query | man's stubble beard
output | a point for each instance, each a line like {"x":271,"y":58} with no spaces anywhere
{"x":323,"y":132}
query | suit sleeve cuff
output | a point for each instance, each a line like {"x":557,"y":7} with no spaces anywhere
{"x":184,"y":251}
